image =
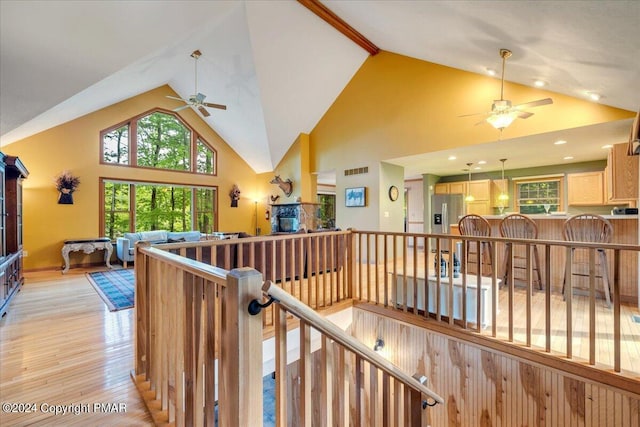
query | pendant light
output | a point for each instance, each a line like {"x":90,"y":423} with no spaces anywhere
{"x":503,"y":198}
{"x":469,"y":197}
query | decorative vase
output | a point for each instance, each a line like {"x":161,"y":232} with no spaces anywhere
{"x":66,"y":197}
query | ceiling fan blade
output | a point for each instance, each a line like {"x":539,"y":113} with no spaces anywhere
{"x":203,"y":111}
{"x":473,"y":114}
{"x":176,"y":98}
{"x":218,"y":106}
{"x":524,"y":114}
{"x":181,"y":108}
{"x":531,"y":104}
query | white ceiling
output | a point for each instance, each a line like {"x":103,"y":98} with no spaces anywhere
{"x":278,"y":67}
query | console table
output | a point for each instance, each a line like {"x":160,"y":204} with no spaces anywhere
{"x":88,"y":246}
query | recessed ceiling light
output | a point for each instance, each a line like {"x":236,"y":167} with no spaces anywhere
{"x":491,"y":71}
{"x":452,"y":157}
{"x":607,"y":146}
{"x":477,"y":168}
{"x":568,"y":158}
{"x":482,"y":162}
{"x":594,"y":96}
{"x":560,"y":142}
{"x":539,"y":83}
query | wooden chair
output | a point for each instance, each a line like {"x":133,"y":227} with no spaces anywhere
{"x":477,"y":226}
{"x":518,"y":226}
{"x":593,"y":229}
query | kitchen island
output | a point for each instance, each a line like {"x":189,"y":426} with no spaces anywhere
{"x":625,"y":231}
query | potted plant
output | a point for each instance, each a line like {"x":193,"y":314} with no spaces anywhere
{"x":66,"y":184}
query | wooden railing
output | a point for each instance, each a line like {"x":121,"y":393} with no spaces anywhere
{"x":198,"y":351}
{"x":344,"y":382}
{"x":390,"y":266}
{"x":313,"y":267}
{"x":190,"y":316}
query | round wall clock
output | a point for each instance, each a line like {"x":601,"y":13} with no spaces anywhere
{"x":393,"y":193}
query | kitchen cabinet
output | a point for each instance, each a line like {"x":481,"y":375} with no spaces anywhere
{"x":479,"y":207}
{"x":451,"y":188}
{"x":621,"y":175}
{"x":480,"y":189}
{"x":586,"y":188}
{"x":499,"y":186}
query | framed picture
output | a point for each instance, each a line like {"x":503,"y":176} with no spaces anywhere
{"x":356,"y":196}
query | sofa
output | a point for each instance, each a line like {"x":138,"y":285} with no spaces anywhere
{"x":126,"y":244}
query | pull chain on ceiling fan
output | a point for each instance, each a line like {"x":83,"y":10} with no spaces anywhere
{"x":197,"y":100}
{"x":503,"y":113}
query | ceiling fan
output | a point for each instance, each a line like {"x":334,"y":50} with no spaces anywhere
{"x":197,"y":100}
{"x":503,"y":113}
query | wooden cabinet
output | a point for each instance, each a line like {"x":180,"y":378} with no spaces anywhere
{"x":586,"y":188}
{"x":479,"y":207}
{"x":12,"y":172}
{"x":499,"y":186}
{"x":457,"y":188}
{"x":450,"y":188}
{"x":480,"y":189}
{"x":621,"y":175}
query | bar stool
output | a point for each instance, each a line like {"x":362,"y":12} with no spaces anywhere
{"x":518,"y":226}
{"x":593,"y":229}
{"x":477,"y":226}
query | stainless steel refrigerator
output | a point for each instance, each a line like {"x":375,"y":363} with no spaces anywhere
{"x":446,"y":209}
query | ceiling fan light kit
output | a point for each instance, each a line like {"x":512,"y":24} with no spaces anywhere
{"x":503,"y":113}
{"x":197,"y":99}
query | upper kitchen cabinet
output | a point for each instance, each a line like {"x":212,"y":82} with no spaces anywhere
{"x":450,"y":188}
{"x":621,"y":175}
{"x":586,"y":188}
{"x":498,"y":187}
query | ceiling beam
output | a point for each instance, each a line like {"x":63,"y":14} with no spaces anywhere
{"x":336,"y":22}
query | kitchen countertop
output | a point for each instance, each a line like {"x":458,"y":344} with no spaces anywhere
{"x":562,"y":216}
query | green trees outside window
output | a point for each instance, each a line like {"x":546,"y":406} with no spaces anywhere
{"x":162,"y":141}
{"x":538,"y":197}
{"x":327,"y":210}
{"x":157,"y":207}
{"x":158,"y":140}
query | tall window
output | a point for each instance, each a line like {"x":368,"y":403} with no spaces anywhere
{"x":161,"y":141}
{"x":539,"y":196}
{"x":143,"y":206}
{"x":327,"y":210}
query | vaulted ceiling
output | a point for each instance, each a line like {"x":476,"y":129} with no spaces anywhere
{"x":278,"y":67}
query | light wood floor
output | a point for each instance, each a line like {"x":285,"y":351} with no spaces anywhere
{"x":59,"y":345}
{"x":629,"y":329}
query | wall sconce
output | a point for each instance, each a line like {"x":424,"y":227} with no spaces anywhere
{"x":379,"y":345}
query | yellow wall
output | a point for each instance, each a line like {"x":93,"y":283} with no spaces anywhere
{"x":399,"y":106}
{"x":75,"y":146}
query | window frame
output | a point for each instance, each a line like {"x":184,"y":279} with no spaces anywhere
{"x":132,"y":124}
{"x":535,"y":179}
{"x":132,"y":198}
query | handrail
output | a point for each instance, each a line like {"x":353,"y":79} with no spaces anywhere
{"x":541,"y":242}
{"x":191,"y":266}
{"x":319,"y":323}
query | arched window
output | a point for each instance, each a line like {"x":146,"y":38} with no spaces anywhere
{"x":158,"y":140}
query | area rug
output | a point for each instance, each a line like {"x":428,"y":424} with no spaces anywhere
{"x":115,"y":287}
